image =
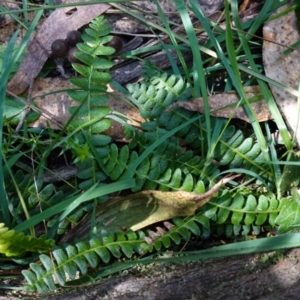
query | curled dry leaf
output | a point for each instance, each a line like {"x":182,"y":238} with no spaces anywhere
{"x":279,"y":35}
{"x":56,"y":26}
{"x":139,"y":210}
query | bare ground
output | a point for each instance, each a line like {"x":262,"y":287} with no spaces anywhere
{"x":274,"y":275}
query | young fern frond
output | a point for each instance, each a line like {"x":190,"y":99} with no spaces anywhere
{"x":91,"y":94}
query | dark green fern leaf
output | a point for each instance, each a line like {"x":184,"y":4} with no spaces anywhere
{"x":242,"y":212}
{"x":67,"y":259}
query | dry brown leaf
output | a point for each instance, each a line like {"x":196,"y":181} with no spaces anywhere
{"x":280,"y":34}
{"x":53,"y":102}
{"x":219,"y":101}
{"x":56,"y":26}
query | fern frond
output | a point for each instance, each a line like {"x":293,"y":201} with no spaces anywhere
{"x":16,"y":244}
{"x":167,"y":168}
{"x":91,"y":94}
{"x":242,"y":213}
{"x":94,"y":68}
{"x":157,"y":94}
{"x":69,"y":259}
{"x":245,"y":209}
{"x":37,"y":196}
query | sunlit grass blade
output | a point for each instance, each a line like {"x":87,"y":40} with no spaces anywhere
{"x":265,"y":90}
{"x":238,"y":81}
{"x":10,"y":59}
{"x":231,"y":66}
{"x":20,"y":196}
{"x":198,"y":74}
{"x":6,"y":69}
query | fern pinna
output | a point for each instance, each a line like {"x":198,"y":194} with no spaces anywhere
{"x":169,"y":167}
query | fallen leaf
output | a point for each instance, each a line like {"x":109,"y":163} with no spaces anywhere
{"x":139,"y":210}
{"x":279,"y":35}
{"x":224,"y":105}
{"x":56,"y":26}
